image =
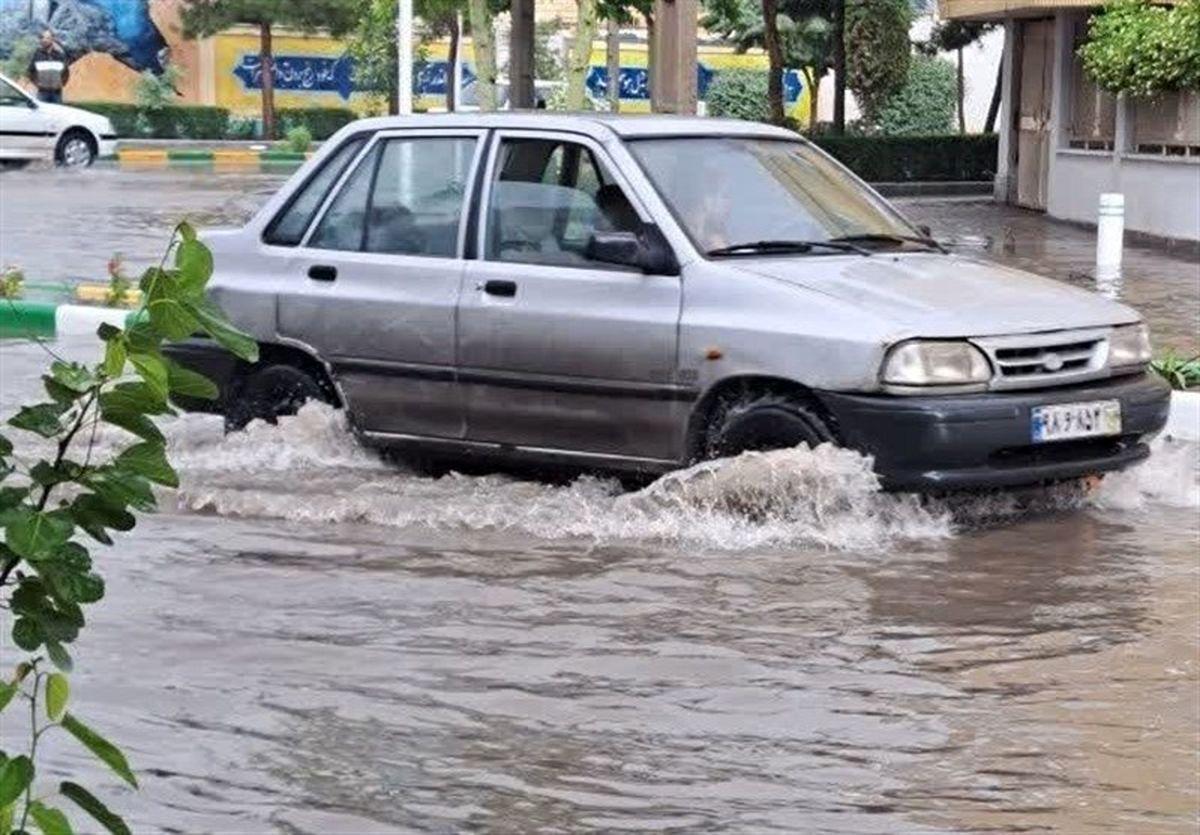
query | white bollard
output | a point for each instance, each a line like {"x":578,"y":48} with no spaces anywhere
{"x":1110,"y":236}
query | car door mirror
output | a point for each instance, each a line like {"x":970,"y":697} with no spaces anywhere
{"x":646,"y":250}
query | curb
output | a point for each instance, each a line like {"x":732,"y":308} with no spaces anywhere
{"x":28,"y":319}
{"x":1184,"y":420}
{"x":221,"y":157}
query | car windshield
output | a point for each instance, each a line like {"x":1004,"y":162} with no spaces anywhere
{"x":733,"y":194}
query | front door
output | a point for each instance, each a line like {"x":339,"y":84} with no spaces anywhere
{"x":557,"y":351}
{"x":24,"y":129}
{"x":374,"y":285}
{"x":1033,"y":113}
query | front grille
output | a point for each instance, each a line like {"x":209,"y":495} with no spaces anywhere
{"x":1046,"y":359}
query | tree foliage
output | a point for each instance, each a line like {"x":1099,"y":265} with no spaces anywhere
{"x":52,"y":504}
{"x":739,"y":94}
{"x":925,"y":105}
{"x":877,"y":51}
{"x":1142,"y":49}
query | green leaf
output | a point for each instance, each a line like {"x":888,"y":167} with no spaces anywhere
{"x":195,"y":264}
{"x":47,"y":475}
{"x":72,"y":375}
{"x":34,"y":534}
{"x":90,"y":509}
{"x":27,"y":634}
{"x":187,"y":383}
{"x":6,"y":812}
{"x":134,"y":423}
{"x":149,"y":460}
{"x":122,"y":489}
{"x":104,"y":750}
{"x":141,"y":338}
{"x":137,"y":398}
{"x":42,"y":419}
{"x":10,"y":497}
{"x":6,"y":446}
{"x":109,"y":332}
{"x":59,"y":393}
{"x":114,"y":358}
{"x":59,"y":656}
{"x":7,"y":691}
{"x":186,"y":231}
{"x":15,"y":777}
{"x":58,"y":691}
{"x":214,"y":323}
{"x":50,"y":821}
{"x":153,"y":371}
{"x":167,"y":306}
{"x":89,"y":803}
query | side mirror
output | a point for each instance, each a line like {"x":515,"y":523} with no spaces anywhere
{"x":646,"y":250}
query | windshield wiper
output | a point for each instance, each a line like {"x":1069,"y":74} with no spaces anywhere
{"x":783,"y":246}
{"x":889,"y":238}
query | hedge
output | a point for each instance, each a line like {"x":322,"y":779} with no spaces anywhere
{"x":172,"y":122}
{"x":322,"y":122}
{"x":201,"y":122}
{"x":899,"y":159}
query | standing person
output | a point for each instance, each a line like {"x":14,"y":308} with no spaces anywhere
{"x":48,"y":69}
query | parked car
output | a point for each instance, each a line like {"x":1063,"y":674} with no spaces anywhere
{"x":641,"y":293}
{"x":32,"y":130}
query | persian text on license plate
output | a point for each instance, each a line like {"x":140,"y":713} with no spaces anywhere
{"x":1076,"y":420}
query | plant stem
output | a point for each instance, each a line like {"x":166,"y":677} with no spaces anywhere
{"x":37,"y":680}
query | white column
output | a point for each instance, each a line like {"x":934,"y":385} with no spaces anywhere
{"x":1004,"y":121}
{"x":456,"y":70}
{"x":404,"y":35}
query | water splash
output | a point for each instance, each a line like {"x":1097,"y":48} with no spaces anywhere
{"x":309,"y":468}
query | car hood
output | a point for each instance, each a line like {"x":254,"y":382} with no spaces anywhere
{"x":64,"y":116}
{"x":930,"y":294}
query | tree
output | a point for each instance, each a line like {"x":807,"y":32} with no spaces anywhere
{"x":204,"y":18}
{"x":1137,"y":48}
{"x":924,"y":106}
{"x":877,"y":51}
{"x":373,"y":45}
{"x":954,"y":36}
{"x":579,"y":55}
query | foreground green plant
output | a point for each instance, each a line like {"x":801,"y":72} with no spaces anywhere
{"x":1143,"y":49}
{"x":1179,"y":372}
{"x":52,"y":500}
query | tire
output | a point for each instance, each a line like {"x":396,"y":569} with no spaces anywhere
{"x":76,"y":149}
{"x":756,"y":422}
{"x":270,"y":392}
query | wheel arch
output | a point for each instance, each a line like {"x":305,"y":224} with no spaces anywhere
{"x":277,"y":353}
{"x":744,"y":385}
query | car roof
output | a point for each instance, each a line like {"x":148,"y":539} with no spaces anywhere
{"x":628,"y":126}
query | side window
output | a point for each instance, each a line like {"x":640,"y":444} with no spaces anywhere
{"x":289,"y":226}
{"x":547,"y":199}
{"x":405,"y":198}
{"x":10,"y":96}
{"x":417,"y":204}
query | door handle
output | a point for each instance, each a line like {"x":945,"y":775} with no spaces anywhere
{"x":320,"y":272}
{"x":498,"y":287}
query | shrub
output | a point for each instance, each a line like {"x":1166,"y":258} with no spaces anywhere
{"x":242,"y":127}
{"x":925,"y":105}
{"x":298,"y":140}
{"x":877,"y":51}
{"x":20,"y":53}
{"x":1134,"y":47}
{"x":322,"y":122}
{"x":739,"y":94}
{"x":169,"y":122}
{"x":1179,"y":372}
{"x":890,"y":159}
{"x":154,"y":92}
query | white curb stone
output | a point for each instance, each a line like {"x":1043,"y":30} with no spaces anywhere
{"x":77,"y":319}
{"x":1184,"y":420}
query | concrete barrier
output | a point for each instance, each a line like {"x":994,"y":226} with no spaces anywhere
{"x":1184,"y":422}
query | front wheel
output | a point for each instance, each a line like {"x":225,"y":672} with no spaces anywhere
{"x":757,"y":422}
{"x":75,"y":150}
{"x":274,"y":391}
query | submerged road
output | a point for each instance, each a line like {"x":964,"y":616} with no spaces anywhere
{"x":309,"y":640}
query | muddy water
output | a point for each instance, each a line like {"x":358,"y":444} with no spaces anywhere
{"x":309,"y":640}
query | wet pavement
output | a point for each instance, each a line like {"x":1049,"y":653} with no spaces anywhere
{"x":309,"y":640}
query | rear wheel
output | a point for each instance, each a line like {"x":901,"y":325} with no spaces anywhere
{"x":76,"y":149}
{"x":274,"y":391}
{"x":761,"y":421}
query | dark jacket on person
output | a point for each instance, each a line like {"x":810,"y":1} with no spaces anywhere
{"x":48,"y":78}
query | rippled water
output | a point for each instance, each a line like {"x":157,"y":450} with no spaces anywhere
{"x":310,"y":640}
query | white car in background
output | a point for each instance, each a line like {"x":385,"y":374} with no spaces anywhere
{"x":34,"y":130}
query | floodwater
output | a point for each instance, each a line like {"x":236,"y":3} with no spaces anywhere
{"x":309,"y":640}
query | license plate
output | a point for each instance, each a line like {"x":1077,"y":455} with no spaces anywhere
{"x":1076,"y":420}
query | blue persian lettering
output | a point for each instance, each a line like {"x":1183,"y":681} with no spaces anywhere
{"x":301,"y":73}
{"x":635,"y":82}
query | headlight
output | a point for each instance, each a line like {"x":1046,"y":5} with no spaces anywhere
{"x":1129,"y":346}
{"x":920,"y":363}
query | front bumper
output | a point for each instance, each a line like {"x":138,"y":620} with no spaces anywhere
{"x":979,"y":441}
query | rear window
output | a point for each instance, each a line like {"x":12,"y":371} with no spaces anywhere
{"x":288,"y":227}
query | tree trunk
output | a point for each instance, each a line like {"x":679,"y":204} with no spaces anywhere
{"x":521,"y":46}
{"x":839,"y":66}
{"x":579,"y":57}
{"x":266,"y":59}
{"x":483,"y":43}
{"x":774,"y":61}
{"x":452,"y":56}
{"x":994,"y":107}
{"x":962,"y":94}
{"x":651,"y":57}
{"x":613,"y":65}
{"x":814,"y":91}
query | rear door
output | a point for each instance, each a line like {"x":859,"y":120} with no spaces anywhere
{"x":555,"y":350}
{"x":25,"y":131}
{"x":374,"y":284}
